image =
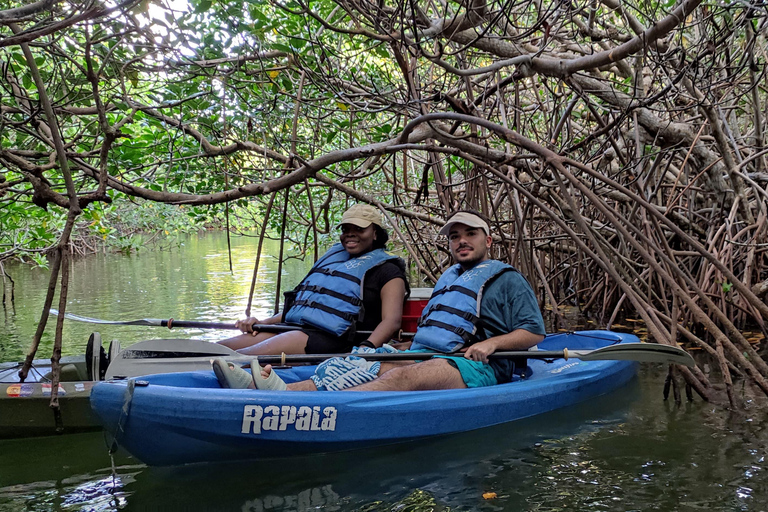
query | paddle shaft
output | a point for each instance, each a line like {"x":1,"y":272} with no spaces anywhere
{"x":288,"y":359}
{"x":627,"y":351}
{"x":256,"y":327}
{"x":400,"y":356}
{"x":171,"y":323}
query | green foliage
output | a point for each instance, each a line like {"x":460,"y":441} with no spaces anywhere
{"x":27,"y":231}
{"x":184,"y":85}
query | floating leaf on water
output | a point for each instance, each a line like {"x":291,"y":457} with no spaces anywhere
{"x":489,"y":495}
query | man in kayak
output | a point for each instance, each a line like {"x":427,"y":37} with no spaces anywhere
{"x":355,"y":286}
{"x":479,"y":306}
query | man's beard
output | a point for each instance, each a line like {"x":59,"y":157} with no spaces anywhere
{"x":474,"y":260}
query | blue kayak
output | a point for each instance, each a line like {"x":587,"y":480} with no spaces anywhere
{"x":181,"y":418}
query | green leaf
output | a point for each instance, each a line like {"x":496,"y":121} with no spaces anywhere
{"x":203,"y":6}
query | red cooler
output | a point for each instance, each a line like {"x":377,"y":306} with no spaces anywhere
{"x":413,"y":307}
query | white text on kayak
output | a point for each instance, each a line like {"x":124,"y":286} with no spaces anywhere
{"x":279,"y":417}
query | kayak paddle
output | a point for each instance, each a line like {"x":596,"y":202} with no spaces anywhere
{"x":163,"y":356}
{"x":171,"y":323}
{"x":643,"y":352}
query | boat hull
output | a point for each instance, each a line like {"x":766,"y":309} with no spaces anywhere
{"x":186,"y":417}
{"x":25,"y":409}
{"x":25,"y":406}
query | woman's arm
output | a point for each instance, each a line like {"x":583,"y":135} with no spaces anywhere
{"x":392,"y":297}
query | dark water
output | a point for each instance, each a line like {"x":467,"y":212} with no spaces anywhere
{"x":626,"y":451}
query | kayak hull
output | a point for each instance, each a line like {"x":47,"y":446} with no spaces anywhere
{"x":186,"y":417}
{"x":25,"y":409}
{"x":25,"y":406}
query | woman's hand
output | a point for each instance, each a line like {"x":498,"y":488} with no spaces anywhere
{"x":246,"y":325}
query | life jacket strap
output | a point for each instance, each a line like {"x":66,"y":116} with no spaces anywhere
{"x":350,"y":317}
{"x":455,"y":288}
{"x":336,"y":273}
{"x":464,"y":334}
{"x":319,"y":289}
{"x":466,"y":315}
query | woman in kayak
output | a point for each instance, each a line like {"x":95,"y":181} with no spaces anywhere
{"x":355,"y":286}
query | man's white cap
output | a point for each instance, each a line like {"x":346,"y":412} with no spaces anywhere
{"x":468,"y":219}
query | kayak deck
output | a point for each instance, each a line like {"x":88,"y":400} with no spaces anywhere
{"x":186,"y":417}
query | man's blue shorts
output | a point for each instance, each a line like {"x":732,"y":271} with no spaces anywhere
{"x":475,"y":374}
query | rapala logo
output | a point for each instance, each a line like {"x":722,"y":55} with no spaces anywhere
{"x":276,"y":417}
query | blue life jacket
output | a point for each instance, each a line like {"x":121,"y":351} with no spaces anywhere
{"x":331,"y":296}
{"x":451,"y":318}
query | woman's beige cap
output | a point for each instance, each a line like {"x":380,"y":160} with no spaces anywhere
{"x":361,"y":215}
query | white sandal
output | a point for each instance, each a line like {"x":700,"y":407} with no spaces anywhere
{"x":231,"y":376}
{"x":272,"y":383}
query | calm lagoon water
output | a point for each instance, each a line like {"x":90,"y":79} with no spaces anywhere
{"x":626,"y":451}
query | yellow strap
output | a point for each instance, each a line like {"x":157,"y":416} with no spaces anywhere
{"x":565,"y":354}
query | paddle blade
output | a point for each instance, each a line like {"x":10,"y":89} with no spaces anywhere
{"x":642,"y":352}
{"x":150,"y":322}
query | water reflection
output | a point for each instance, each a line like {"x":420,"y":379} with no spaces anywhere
{"x":93,"y":492}
{"x":188,"y":283}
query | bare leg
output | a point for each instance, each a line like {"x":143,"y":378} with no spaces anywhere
{"x":246,"y":340}
{"x":400,"y":376}
{"x":293,"y":342}
{"x":432,"y":374}
{"x":304,"y":385}
{"x":391,"y":365}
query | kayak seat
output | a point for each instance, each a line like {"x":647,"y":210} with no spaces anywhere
{"x":73,"y":372}
{"x":114,"y":349}
{"x":95,"y":358}
{"x":70,"y":372}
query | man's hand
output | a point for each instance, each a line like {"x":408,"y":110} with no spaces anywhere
{"x":481,"y":351}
